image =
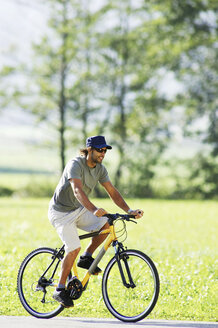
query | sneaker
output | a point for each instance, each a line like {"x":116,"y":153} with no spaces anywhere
{"x":62,"y":296}
{"x":86,"y":261}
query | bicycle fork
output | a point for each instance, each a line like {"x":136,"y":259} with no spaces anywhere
{"x":122,"y":257}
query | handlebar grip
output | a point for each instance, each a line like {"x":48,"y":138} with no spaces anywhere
{"x":133,"y":216}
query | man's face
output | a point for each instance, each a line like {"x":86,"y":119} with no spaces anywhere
{"x":97,"y":155}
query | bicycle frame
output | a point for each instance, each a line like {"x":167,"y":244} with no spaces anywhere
{"x":112,"y":238}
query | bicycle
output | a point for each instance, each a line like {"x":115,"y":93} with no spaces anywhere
{"x":130,"y":283}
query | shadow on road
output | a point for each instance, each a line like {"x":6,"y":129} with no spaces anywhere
{"x":151,"y":323}
{"x":70,"y":322}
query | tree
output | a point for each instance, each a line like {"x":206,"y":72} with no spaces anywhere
{"x":190,"y":28}
{"x":133,"y":98}
{"x":58,"y":84}
{"x":43,"y":90}
{"x":115,"y":48}
{"x":56,"y":73}
{"x":196,"y":30}
{"x":84,"y":90}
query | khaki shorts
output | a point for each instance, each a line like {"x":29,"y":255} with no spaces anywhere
{"x":67,"y":223}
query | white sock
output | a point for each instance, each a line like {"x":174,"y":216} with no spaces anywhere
{"x":87,"y":254}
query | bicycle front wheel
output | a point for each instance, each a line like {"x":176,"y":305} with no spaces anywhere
{"x":36,"y":281}
{"x":133,"y":297}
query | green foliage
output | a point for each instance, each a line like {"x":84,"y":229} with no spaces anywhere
{"x":4,"y":191}
{"x":90,"y":77}
{"x":180,"y":237}
{"x":172,"y":179}
{"x":43,"y":187}
{"x":27,"y":185}
{"x":195,"y":24}
{"x":194,"y":178}
{"x":203,"y":177}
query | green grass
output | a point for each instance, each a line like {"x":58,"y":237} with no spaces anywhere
{"x":180,"y":237}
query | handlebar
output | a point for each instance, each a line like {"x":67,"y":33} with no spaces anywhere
{"x":125,"y":217}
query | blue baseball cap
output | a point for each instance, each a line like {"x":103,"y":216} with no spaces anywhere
{"x":97,"y":142}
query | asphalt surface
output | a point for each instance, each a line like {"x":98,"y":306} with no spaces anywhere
{"x":65,"y":322}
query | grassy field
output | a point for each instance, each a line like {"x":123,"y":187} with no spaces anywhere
{"x":180,"y":237}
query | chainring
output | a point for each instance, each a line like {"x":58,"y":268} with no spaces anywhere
{"x":75,"y":288}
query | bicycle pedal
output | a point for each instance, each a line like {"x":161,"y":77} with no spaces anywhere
{"x":67,"y":307}
{"x":96,"y":273}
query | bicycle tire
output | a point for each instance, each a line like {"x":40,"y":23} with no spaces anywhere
{"x":131,"y":304}
{"x":30,"y":294}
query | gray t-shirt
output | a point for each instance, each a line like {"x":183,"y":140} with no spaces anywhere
{"x":64,"y":199}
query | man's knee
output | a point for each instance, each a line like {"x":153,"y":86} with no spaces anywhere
{"x":74,"y":252}
{"x":106,"y":226}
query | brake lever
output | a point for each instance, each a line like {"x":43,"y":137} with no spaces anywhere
{"x":129,"y":220}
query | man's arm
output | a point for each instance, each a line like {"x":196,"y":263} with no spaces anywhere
{"x":115,"y":196}
{"x":83,"y":199}
{"x":119,"y":201}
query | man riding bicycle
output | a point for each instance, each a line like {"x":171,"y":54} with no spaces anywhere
{"x":70,"y":208}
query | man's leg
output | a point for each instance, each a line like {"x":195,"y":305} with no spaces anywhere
{"x":86,"y":259}
{"x":97,"y":240}
{"x":60,"y":293}
{"x":65,"y":226}
{"x":67,"y":265}
{"x":90,"y":222}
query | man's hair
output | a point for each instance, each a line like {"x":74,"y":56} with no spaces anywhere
{"x":84,"y":152}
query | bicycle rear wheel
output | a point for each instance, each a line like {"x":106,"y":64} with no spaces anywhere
{"x":35,"y":287}
{"x":135,"y":302}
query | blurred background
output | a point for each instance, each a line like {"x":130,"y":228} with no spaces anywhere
{"x":142,"y":73}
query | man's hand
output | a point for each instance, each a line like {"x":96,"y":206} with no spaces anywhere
{"x":138,"y":213}
{"x":99,"y":212}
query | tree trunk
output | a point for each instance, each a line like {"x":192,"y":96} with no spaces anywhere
{"x":62,"y":100}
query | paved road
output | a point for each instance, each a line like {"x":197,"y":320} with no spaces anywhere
{"x":65,"y":322}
